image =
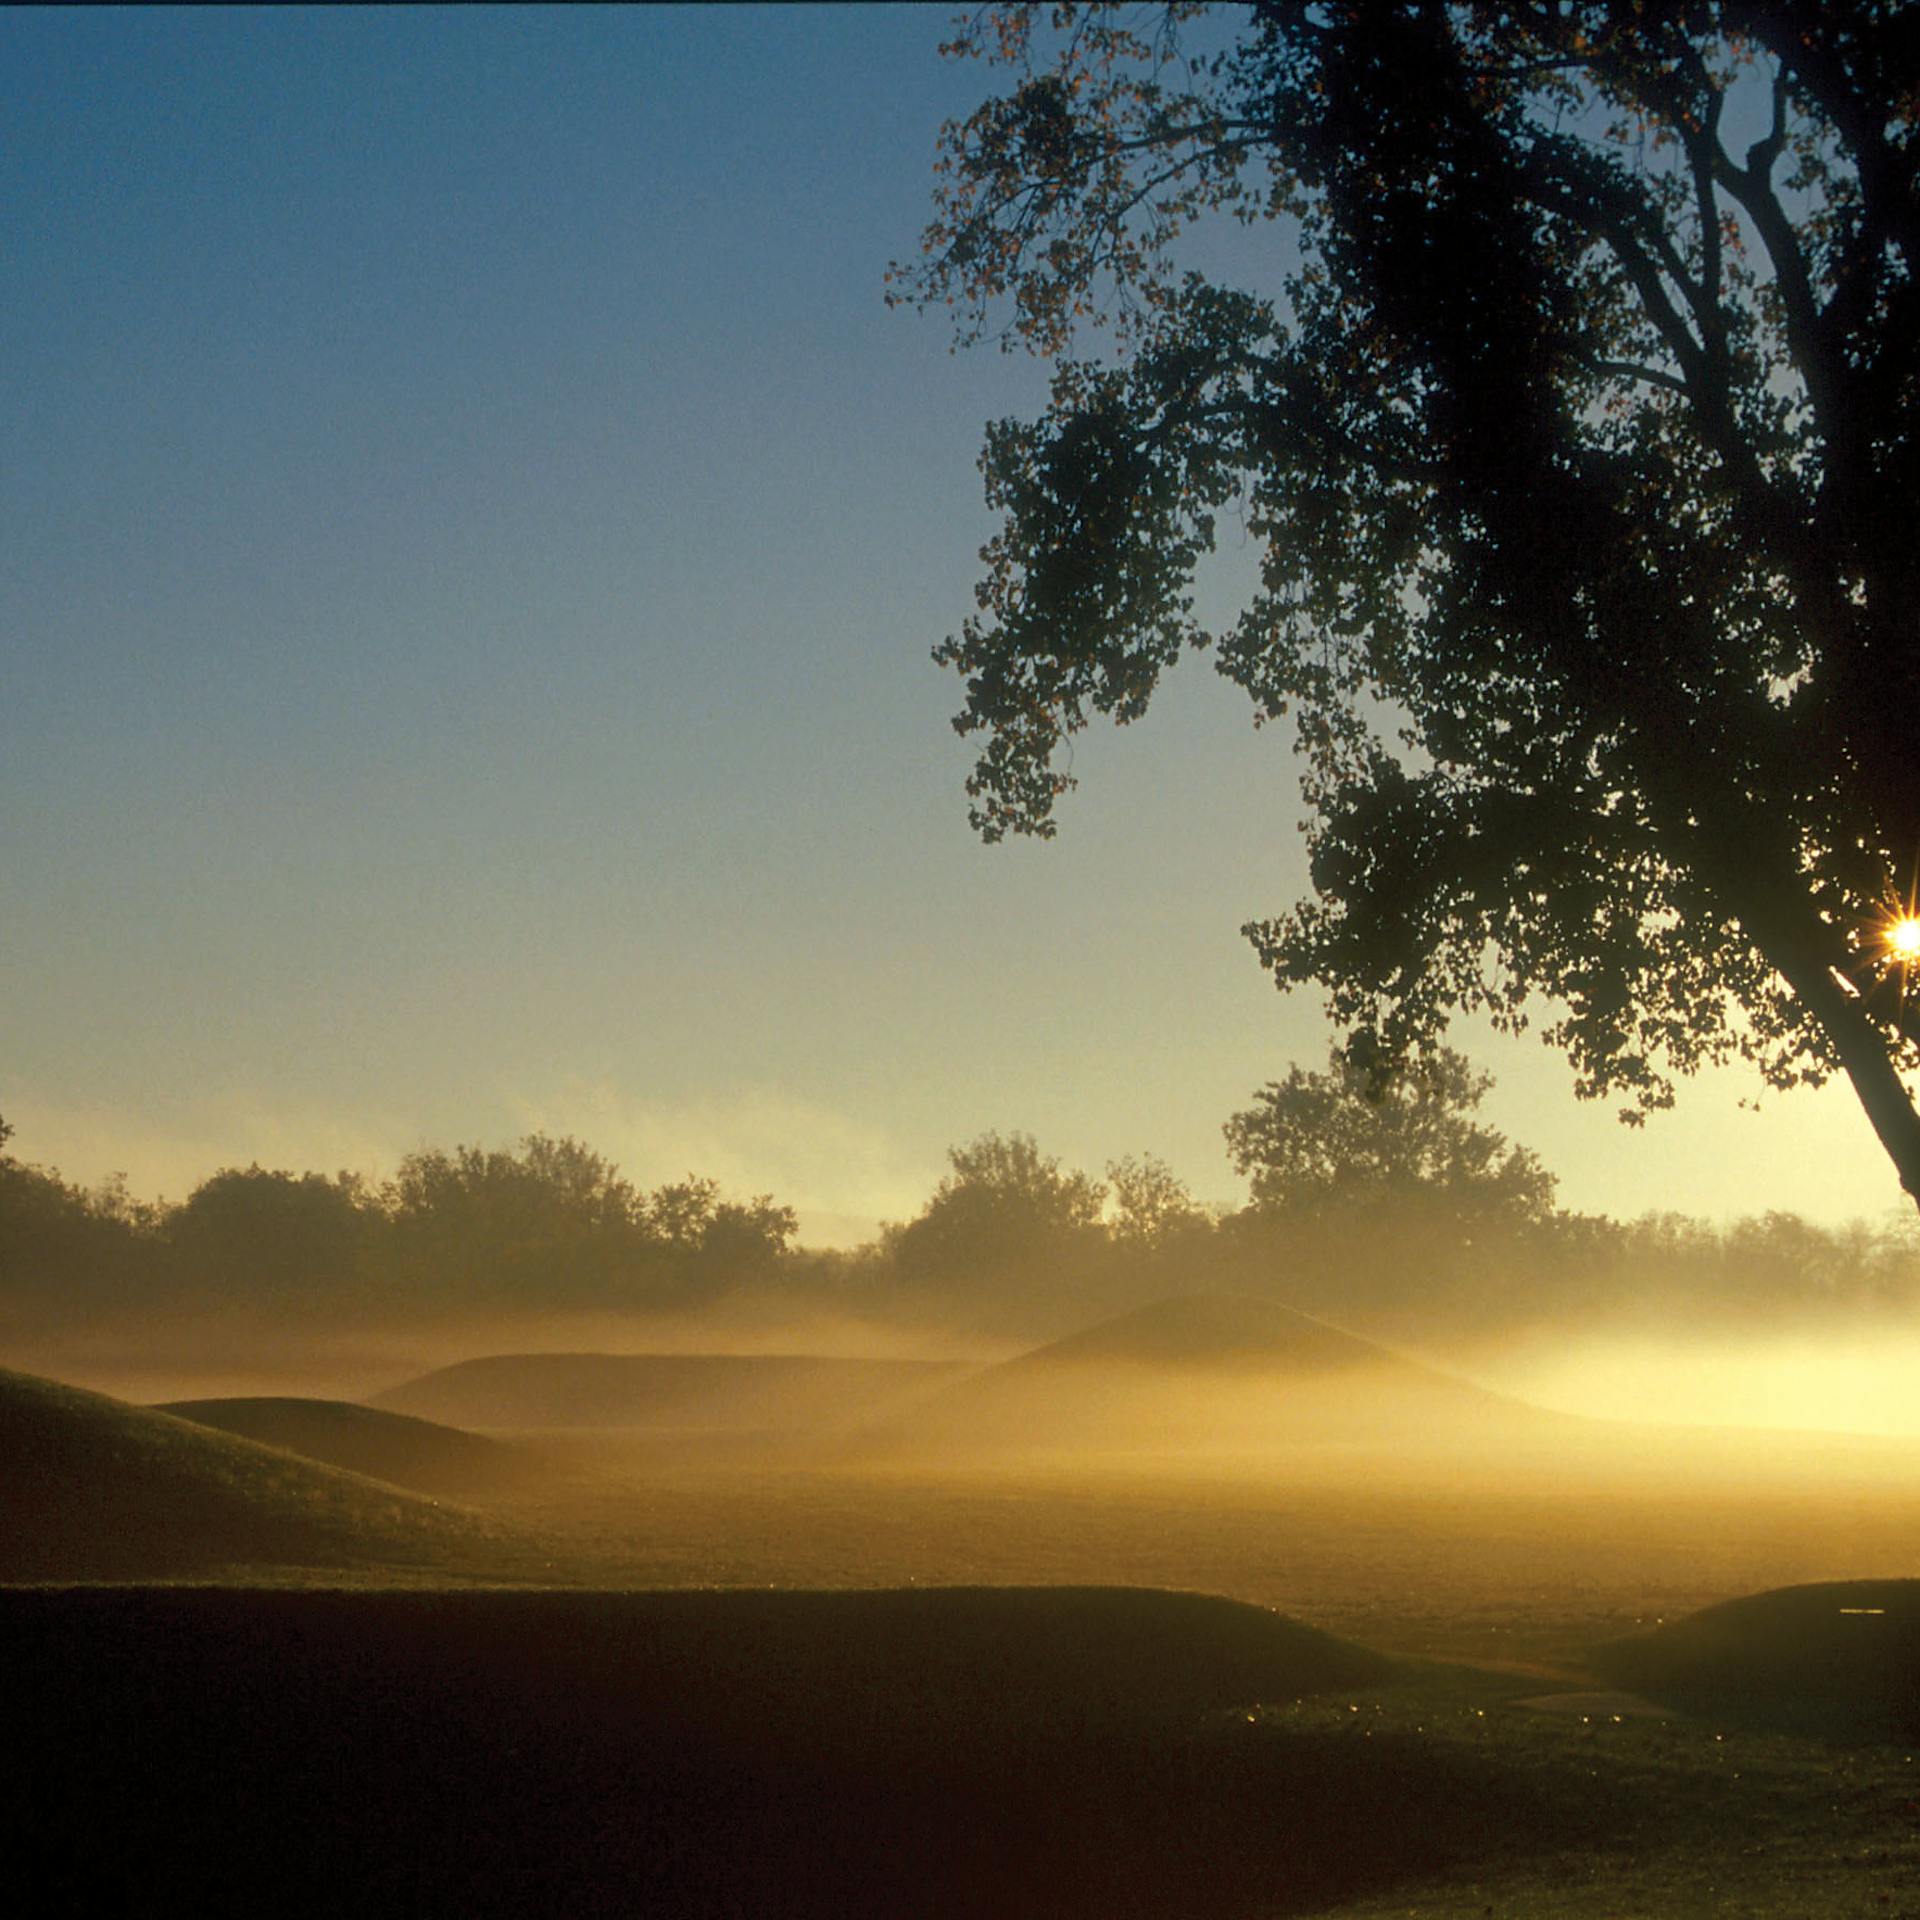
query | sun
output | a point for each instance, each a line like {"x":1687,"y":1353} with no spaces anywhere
{"x":1903,"y":939}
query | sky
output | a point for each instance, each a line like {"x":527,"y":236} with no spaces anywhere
{"x":473,"y":538}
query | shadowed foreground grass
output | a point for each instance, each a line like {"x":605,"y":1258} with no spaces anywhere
{"x":1635,"y":1818}
{"x":1838,"y":1658}
{"x":1006,"y":1752}
{"x":995,"y":1753}
{"x":418,"y":1746}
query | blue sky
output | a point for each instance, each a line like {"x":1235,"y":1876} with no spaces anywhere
{"x":473,"y":537}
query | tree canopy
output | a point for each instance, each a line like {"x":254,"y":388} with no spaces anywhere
{"x":1004,"y":1204}
{"x":1352,"y":1141}
{"x":1153,"y":1210}
{"x":1379,"y":1199}
{"x":1572,"y":411}
{"x":555,"y":1220}
{"x":282,"y":1239}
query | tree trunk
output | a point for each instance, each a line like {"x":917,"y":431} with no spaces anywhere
{"x":1862,"y":1046}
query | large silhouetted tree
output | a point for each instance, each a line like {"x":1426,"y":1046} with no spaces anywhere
{"x":1571,"y":406}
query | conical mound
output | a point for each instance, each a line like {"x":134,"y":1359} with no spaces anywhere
{"x":1216,"y":1331}
{"x":1209,"y":1371}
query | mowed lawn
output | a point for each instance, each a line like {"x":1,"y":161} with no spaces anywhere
{"x":733,"y":1677}
{"x":1494,"y":1566}
{"x":1060,"y":1753}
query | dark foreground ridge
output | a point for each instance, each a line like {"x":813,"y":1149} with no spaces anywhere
{"x":1839,"y":1658}
{"x":941,"y":1752}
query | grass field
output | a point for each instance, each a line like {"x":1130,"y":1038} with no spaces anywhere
{"x":1068,"y":1753}
{"x":721,"y":1675}
{"x":1510,"y":1567}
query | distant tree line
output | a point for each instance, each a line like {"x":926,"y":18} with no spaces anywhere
{"x":549,"y":1224}
{"x":1377,"y":1198}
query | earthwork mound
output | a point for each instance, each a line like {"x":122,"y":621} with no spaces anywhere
{"x":1840,"y":1658}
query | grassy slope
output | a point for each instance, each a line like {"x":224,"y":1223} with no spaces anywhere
{"x":1207,"y":1370}
{"x":1834,"y":1657}
{"x":925,"y":1753}
{"x":1784,"y":1783}
{"x":96,"y":1488}
{"x":1654,"y":1820}
{"x":1213,"y":1332}
{"x":395,"y":1447}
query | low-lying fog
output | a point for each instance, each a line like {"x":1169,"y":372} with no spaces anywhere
{"x":1431,"y":1501}
{"x":1836,"y":1385}
{"x":1855,"y":1383}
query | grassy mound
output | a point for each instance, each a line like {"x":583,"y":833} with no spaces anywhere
{"x":1206,"y":1370}
{"x":960,"y":1752}
{"x":1842,"y":1657}
{"x":95,"y":1488}
{"x":395,"y":1447}
{"x":1214,"y":1332}
{"x":661,"y":1390}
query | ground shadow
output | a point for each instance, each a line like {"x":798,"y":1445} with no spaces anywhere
{"x":1063,"y":1753}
